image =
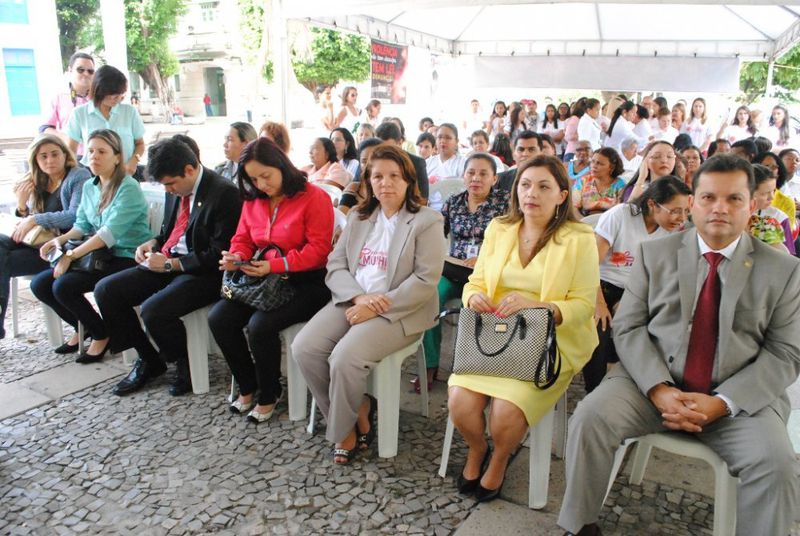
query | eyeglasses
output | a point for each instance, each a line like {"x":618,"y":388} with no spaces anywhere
{"x":582,"y":149}
{"x":82,"y":70}
{"x":675,"y":211}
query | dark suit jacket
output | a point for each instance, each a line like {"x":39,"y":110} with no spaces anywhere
{"x":213,"y":221}
{"x":422,"y":173}
{"x":505,"y":180}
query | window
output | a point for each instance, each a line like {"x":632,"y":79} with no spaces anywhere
{"x":208,"y":11}
{"x":23,"y":91}
{"x":177,"y":83}
{"x":14,"y":11}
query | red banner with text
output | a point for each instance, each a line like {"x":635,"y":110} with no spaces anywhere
{"x":388,"y":67}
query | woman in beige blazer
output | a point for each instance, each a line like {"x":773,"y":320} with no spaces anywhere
{"x":383,"y":276}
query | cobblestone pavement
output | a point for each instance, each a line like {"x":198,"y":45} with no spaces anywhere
{"x":151,"y":464}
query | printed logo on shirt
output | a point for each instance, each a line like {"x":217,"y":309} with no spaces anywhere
{"x":369,"y":257}
{"x":621,"y":258}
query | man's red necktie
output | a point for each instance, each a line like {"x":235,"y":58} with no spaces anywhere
{"x":705,"y":331}
{"x":180,"y":227}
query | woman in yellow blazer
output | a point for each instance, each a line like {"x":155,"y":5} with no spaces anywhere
{"x":537,"y":255}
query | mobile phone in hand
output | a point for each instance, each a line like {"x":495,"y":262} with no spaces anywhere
{"x":242,"y":263}
{"x":54,"y":254}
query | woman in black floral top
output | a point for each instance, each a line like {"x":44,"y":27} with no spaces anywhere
{"x":466,"y":216}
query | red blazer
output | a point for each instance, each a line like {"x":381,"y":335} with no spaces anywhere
{"x":302,"y":229}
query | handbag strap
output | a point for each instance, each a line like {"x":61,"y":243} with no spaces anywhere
{"x":553,"y":357}
{"x":519,"y":325}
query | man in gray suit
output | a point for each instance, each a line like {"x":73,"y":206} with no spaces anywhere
{"x":708,"y":335}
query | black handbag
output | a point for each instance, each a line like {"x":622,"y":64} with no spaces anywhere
{"x":522,"y":346}
{"x":456,"y":273}
{"x":263,"y":293}
{"x":93,"y":262}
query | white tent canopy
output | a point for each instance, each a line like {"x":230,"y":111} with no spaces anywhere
{"x":661,"y":45}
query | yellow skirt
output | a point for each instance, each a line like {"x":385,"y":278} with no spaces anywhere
{"x":531,"y":400}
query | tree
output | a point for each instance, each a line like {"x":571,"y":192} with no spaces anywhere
{"x":78,"y":25}
{"x":333,"y":56}
{"x":753,"y":77}
{"x":253,"y":17}
{"x":148,"y":26}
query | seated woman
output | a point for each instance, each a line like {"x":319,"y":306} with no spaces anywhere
{"x":466,"y":216}
{"x":580,"y":165}
{"x":355,"y":191}
{"x":239,"y":134}
{"x":448,"y":163}
{"x":767,"y":223}
{"x":658,"y":161}
{"x":325,"y":167}
{"x":537,"y":255}
{"x":660,"y":210}
{"x":278,"y":133}
{"x":781,"y":201}
{"x":345,"y":150}
{"x":600,"y":189}
{"x":365,"y":131}
{"x":382,"y":275}
{"x":48,"y":196}
{"x":113,"y":214}
{"x":694,"y":159}
{"x":280,"y":209}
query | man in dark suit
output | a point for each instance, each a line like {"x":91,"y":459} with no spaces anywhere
{"x":390,"y":132}
{"x":707,"y":335}
{"x":527,"y":145}
{"x":178,"y":270}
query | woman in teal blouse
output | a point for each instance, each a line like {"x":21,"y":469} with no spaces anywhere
{"x":112,"y":214}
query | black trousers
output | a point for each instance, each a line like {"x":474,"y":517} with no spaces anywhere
{"x":65,"y":295}
{"x":262,"y":371}
{"x":15,"y":260}
{"x":164,"y":299}
{"x":605,"y":352}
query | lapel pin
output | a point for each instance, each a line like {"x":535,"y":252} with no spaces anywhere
{"x":748,"y":263}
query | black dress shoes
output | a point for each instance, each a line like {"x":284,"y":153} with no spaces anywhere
{"x":466,"y":485}
{"x":143,"y":370}
{"x":485,"y":495}
{"x":182,"y":383}
{"x":66,"y":348}
{"x":592,"y":529}
{"x":85,"y":359}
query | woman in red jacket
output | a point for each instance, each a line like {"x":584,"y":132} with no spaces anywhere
{"x":280,"y":209}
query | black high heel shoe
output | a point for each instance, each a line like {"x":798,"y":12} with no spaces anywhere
{"x":67,"y":348}
{"x":466,"y":486}
{"x":85,"y":359}
{"x":363,"y":441}
{"x":485,"y":495}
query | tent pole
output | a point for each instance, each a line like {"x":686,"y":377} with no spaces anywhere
{"x":770,"y":77}
{"x":280,"y":58}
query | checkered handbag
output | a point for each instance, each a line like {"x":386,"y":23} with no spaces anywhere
{"x":522,"y":346}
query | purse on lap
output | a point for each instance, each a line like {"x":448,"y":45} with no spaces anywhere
{"x":95,"y":261}
{"x":522,"y":346}
{"x":263,"y":293}
{"x":37,"y":236}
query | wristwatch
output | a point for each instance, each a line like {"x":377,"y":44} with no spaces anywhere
{"x":167,"y":266}
{"x":70,"y":253}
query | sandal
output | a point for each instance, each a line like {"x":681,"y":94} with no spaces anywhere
{"x":347,"y":454}
{"x":363,"y":441}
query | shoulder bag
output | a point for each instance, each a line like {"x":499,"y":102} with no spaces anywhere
{"x":263,"y":293}
{"x":93,"y":262}
{"x":37,"y":236}
{"x":522,"y":346}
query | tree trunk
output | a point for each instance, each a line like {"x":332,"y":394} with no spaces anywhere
{"x":152,"y":77}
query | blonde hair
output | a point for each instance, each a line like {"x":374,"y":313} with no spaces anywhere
{"x":39,"y":178}
{"x":111,"y":187}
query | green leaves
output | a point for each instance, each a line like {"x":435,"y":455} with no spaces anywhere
{"x":333,"y":57}
{"x":753,"y":77}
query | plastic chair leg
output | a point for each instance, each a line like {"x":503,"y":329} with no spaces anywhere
{"x":640,"y":459}
{"x":422,"y":372}
{"x":13,"y":297}
{"x":446,"y":444}
{"x":196,"y":325}
{"x":312,"y":417}
{"x":296,"y":383}
{"x":55,"y":329}
{"x":539,"y":465}
{"x":386,"y":381}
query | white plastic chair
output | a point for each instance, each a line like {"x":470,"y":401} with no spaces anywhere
{"x":540,"y":440}
{"x":591,"y":219}
{"x":55,"y":330}
{"x":296,"y":384}
{"x":334,"y":192}
{"x":439,"y":191}
{"x":384,"y":384}
{"x":684,"y":445}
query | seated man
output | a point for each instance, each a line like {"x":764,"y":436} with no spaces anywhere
{"x":707,"y":335}
{"x":178,"y":271}
{"x":527,"y":145}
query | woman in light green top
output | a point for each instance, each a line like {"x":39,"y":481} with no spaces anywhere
{"x":112,"y":214}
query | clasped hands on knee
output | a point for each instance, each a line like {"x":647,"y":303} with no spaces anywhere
{"x":685,"y":411}
{"x":367,"y":307}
